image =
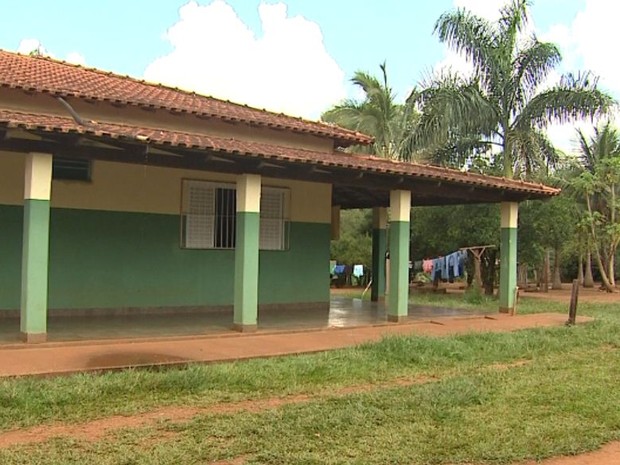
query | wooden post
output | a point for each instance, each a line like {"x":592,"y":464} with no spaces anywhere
{"x":513,"y":310}
{"x":574,"y":297}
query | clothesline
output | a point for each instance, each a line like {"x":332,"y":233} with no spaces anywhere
{"x":446,"y":267}
{"x":477,"y":250}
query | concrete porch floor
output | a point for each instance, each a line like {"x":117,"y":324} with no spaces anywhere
{"x":344,"y":312}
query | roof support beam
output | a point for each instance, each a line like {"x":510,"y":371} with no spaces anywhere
{"x":369,"y":185}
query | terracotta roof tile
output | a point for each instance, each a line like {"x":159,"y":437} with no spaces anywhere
{"x":354,"y":162}
{"x":42,"y":74}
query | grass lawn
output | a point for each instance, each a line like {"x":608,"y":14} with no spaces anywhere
{"x":480,"y":398}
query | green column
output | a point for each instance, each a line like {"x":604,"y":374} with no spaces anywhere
{"x":35,"y":248}
{"x":398,"y":298}
{"x":246,"y":253}
{"x":379,"y":238}
{"x":508,"y":257}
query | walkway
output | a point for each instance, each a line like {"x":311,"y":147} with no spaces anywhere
{"x":343,"y":312}
{"x":69,"y":357}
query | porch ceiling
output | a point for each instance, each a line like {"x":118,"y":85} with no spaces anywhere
{"x":358,"y":181}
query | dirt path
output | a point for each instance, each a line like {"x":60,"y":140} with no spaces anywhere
{"x":66,"y":358}
{"x":609,"y":454}
{"x":97,"y":429}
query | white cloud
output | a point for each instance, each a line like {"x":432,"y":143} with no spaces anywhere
{"x":76,"y":58}
{"x":585,"y":45}
{"x":590,"y":39}
{"x":27,"y":46}
{"x":482,"y":8}
{"x":286,"y":69}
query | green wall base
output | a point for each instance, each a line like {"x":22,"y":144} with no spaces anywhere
{"x":102,"y":259}
{"x":34,"y":271}
{"x":508,"y":269}
{"x":398,"y":299}
{"x":245,"y":311}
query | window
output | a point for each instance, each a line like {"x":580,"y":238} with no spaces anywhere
{"x":71,"y":169}
{"x":209,"y":216}
{"x":272,"y":224}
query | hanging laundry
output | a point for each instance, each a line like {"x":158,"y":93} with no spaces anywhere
{"x":427,"y":266}
{"x":440,"y":271}
{"x":463,"y":257}
{"x":358,"y":271}
{"x":339,"y":269}
{"x":452,"y":262}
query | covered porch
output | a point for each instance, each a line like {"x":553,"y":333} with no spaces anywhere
{"x":343,"y":312}
{"x":392,"y":210}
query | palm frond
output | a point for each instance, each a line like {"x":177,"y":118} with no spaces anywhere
{"x":451,"y":104}
{"x":513,"y":20}
{"x":605,"y":143}
{"x":571,"y":100}
{"x":532,"y":152}
{"x":471,"y":36}
{"x":530,"y":69}
{"x":455,"y":152}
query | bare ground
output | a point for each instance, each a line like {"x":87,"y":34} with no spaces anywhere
{"x":98,"y":429}
{"x":594,"y":295}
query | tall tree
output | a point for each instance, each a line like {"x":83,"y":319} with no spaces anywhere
{"x":599,"y":187}
{"x":377,"y":115}
{"x":502,"y":108}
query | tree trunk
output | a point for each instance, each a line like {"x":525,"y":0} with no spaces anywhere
{"x":488,"y":271}
{"x":580,"y":270}
{"x":557,"y":280}
{"x":597,"y":252}
{"x":546,"y":272}
{"x":522,"y":276}
{"x":588,"y":279}
{"x":601,"y":267}
{"x":611,"y":273}
{"x":507,"y":155}
{"x":477,"y":272}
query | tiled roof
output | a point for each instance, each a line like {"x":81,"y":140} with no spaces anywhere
{"x":42,"y":74}
{"x":354,"y":162}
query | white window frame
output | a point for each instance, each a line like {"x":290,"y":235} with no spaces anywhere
{"x":198,"y":215}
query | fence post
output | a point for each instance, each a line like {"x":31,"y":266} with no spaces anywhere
{"x":574,"y":297}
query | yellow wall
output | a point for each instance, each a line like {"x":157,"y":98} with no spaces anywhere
{"x":148,"y":189}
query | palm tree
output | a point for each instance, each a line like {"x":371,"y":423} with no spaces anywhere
{"x":378,"y":115}
{"x":501,"y":109}
{"x":599,"y":186}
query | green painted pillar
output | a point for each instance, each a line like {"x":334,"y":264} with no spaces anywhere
{"x":246,"y":253}
{"x":508,"y":257}
{"x":379,"y":244}
{"x":398,"y":297}
{"x":35,"y":248}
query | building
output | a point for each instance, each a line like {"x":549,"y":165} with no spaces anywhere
{"x":117,"y":195}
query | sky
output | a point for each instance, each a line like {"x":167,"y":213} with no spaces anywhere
{"x":291,"y":56}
